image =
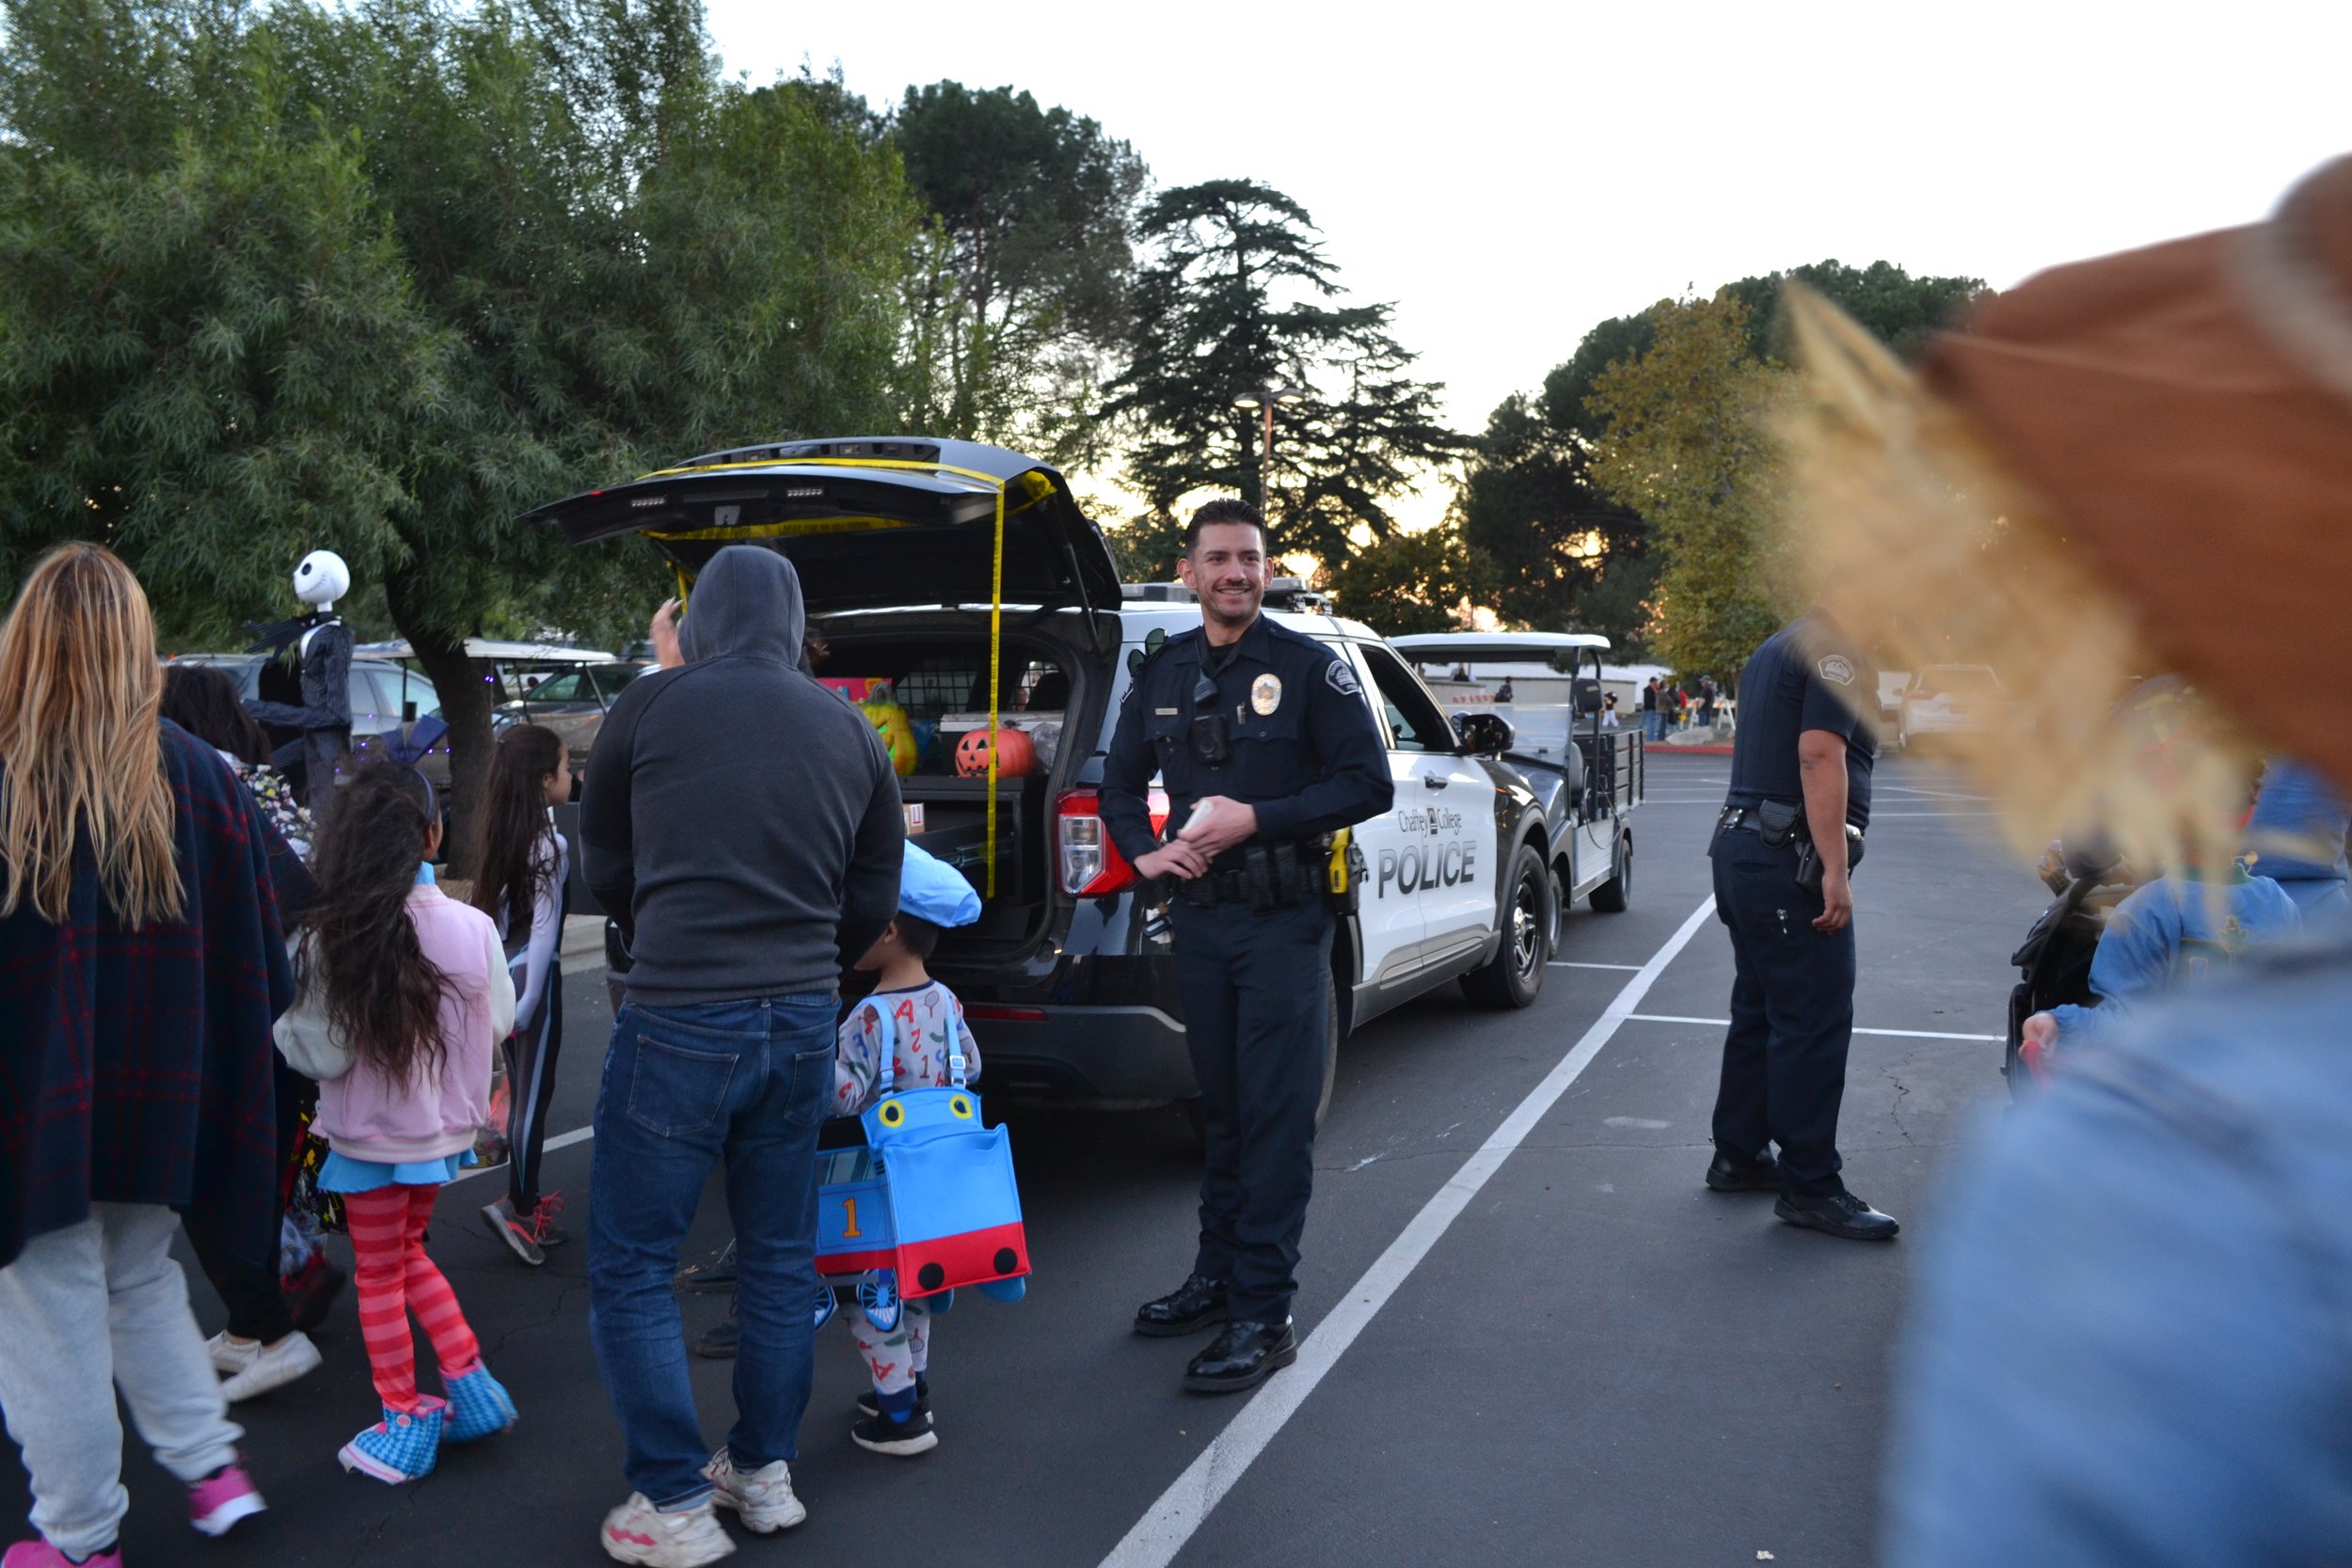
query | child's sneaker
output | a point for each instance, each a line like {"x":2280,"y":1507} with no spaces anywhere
{"x":401,"y":1446}
{"x":869,"y":1402}
{"x":638,"y":1532}
{"x":222,"y":1498}
{"x":41,"y":1554}
{"x":762,"y":1498}
{"x":899,"y":1439}
{"x":878,"y":1296}
{"x":254,"y":1368}
{"x":478,"y":1405}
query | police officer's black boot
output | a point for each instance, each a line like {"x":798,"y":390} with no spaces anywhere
{"x":1731,"y":1171}
{"x":1245,"y":1356}
{"x":1198,"y":1303}
{"x":1837,"y":1213}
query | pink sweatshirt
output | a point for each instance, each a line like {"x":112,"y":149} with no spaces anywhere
{"x":364,"y":1116}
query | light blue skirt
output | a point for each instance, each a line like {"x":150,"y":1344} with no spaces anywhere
{"x":342,"y":1174}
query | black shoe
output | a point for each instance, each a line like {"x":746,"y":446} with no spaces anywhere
{"x":899,"y":1439}
{"x":869,"y":1407}
{"x":1245,"y":1356}
{"x":1838,"y":1215}
{"x":716,"y":1275}
{"x":1736,"y":1173}
{"x":719,"y":1342}
{"x":1198,"y":1303}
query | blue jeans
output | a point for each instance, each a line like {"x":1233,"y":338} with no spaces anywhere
{"x":684,"y":1087}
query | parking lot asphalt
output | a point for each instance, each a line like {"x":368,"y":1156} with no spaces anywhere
{"x":1531,"y":1335}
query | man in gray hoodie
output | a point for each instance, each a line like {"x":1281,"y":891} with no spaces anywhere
{"x":742,"y":824}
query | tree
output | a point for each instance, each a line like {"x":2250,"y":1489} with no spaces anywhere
{"x":384,"y":279}
{"x":1688,"y":447}
{"x":1568,"y":554}
{"x":1410,"y":582}
{"x":1023,"y":296}
{"x":1232,"y":302}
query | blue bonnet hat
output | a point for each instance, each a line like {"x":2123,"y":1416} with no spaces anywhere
{"x":930,"y":889}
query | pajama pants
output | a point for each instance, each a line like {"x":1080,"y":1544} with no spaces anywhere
{"x":531,"y":1052}
{"x":98,"y":1304}
{"x":393,"y":1278}
{"x":894,"y":1360}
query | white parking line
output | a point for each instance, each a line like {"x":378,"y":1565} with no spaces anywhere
{"x":1164,"y":1529}
{"x":1898,"y":1034}
{"x":1567,"y":964}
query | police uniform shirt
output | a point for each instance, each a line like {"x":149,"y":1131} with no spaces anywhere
{"x":1301,"y":745}
{"x":1802,"y":678}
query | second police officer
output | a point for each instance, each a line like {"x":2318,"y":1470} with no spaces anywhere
{"x":1265,"y":744}
{"x":1788,"y":838}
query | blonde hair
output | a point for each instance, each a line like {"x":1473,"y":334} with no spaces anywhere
{"x":81,"y":750}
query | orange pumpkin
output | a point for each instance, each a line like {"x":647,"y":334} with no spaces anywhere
{"x":1016,"y":756}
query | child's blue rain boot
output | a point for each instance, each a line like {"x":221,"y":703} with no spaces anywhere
{"x":478,"y":1405}
{"x":401,"y":1446}
{"x":877,"y":1296}
{"x":826,"y":1302}
{"x":1007,"y":1290}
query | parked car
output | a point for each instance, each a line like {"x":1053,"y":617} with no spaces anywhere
{"x":381,"y":695}
{"x":1950,"y":699}
{"x":1068,"y":976}
{"x":571,"y":699}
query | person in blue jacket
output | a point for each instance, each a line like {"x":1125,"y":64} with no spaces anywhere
{"x":2298,"y":819}
{"x":2176,"y":930}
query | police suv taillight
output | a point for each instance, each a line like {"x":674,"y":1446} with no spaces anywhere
{"x":1091,"y":863}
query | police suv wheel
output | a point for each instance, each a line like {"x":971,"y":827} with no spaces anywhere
{"x":1512,"y":976}
{"x":1613,"y":896}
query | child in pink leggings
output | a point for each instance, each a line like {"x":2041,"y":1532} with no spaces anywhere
{"x":404,"y":995}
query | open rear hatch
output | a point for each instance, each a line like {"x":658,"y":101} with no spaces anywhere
{"x":870,"y":523}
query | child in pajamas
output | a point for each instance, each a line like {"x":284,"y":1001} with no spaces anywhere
{"x":920,"y":1023}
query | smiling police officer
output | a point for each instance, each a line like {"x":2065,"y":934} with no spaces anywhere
{"x":1265,"y":745}
{"x":1790,"y":836}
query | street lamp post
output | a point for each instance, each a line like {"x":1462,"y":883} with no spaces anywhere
{"x":1289,"y":397}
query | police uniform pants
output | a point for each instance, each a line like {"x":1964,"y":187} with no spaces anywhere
{"x":1252,"y":986}
{"x":1791,"y":1014}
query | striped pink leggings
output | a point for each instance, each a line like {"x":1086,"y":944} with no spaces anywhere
{"x":395,"y":1277}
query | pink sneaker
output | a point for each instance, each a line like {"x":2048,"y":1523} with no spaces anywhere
{"x":41,"y":1554}
{"x":219,"y":1500}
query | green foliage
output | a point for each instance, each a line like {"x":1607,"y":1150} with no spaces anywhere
{"x":1234,"y":302}
{"x":1019,"y":298}
{"x":1407,"y":584}
{"x":1689,"y":449}
{"x":382,"y":279}
{"x":1569,"y":555}
{"x":1146,"y":546}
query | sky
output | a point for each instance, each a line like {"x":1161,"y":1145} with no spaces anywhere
{"x":1508,"y":176}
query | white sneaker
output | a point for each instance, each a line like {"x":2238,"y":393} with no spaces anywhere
{"x":762,"y":1499}
{"x":256,"y":1368}
{"x":638,"y":1532}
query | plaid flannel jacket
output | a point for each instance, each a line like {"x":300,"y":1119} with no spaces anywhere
{"x":135,"y":1065}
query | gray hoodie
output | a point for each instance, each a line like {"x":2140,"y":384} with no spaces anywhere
{"x":739,"y":820}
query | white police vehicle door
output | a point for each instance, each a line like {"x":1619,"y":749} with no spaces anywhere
{"x":1445,"y":817}
{"x":1391,"y":927}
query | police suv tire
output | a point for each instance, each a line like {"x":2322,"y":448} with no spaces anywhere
{"x":1613,"y":896}
{"x":1514,"y":975}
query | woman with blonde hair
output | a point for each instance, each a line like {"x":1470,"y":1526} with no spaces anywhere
{"x":140,"y":967}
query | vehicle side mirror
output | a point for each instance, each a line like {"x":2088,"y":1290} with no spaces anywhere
{"x":1485,"y":733}
{"x":1588,"y":697}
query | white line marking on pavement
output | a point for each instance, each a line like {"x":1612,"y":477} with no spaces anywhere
{"x":1164,"y":1529}
{"x":1571,"y":963}
{"x":1900,"y":1034}
{"x":1877,"y":815}
{"x":561,"y":1140}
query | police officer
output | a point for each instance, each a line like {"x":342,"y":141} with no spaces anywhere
{"x":1265,"y":744}
{"x":1790,"y":829}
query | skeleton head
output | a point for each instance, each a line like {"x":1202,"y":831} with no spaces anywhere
{"x":321,"y":579}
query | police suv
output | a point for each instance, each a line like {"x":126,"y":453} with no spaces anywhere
{"x":936,"y":571}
